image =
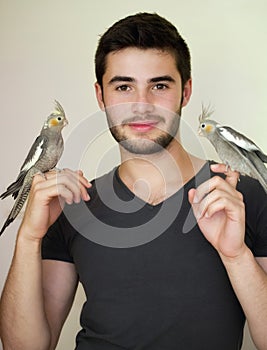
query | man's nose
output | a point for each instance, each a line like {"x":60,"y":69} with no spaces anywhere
{"x":142,"y":104}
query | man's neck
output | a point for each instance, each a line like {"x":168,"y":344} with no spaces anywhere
{"x":155,"y":177}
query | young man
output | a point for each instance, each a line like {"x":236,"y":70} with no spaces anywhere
{"x":155,"y":276}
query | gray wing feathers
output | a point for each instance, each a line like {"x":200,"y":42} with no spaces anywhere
{"x":240,"y":140}
{"x":36,"y":152}
{"x":252,"y":156}
{"x":259,"y":165}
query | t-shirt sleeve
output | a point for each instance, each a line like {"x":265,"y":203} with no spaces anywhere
{"x":55,"y":242}
{"x":255,"y":200}
{"x":260,"y":249}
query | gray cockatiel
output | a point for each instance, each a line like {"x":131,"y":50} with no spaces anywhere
{"x":234,"y":149}
{"x":42,"y":157}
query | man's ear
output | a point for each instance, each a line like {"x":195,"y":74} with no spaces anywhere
{"x":99,"y":96}
{"x":187,"y":92}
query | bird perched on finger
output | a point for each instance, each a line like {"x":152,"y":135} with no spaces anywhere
{"x":234,"y":149}
{"x":42,"y":157}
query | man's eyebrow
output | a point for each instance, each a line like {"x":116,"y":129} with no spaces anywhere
{"x":162,"y":78}
{"x":127,"y":79}
{"x":121,"y":78}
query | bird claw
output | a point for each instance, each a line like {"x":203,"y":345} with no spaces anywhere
{"x":57,"y":170}
{"x":227,"y":168}
{"x":42,"y":174}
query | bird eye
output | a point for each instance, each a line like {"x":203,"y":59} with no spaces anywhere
{"x":203,"y":126}
{"x":59,"y":118}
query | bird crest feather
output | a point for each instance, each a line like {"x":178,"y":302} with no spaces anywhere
{"x":58,"y":109}
{"x":205,"y":113}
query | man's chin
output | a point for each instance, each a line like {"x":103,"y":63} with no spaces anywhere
{"x":142,"y":147}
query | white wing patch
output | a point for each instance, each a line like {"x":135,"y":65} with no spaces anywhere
{"x":238,"y":139}
{"x":35,"y":157}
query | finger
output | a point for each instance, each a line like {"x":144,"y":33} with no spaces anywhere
{"x":43,"y":192}
{"x":75,"y":176}
{"x":73,"y":184}
{"x":80,"y":172}
{"x":76,"y":173}
{"x":79,"y":175}
{"x":195,"y":207}
{"x":232,"y":177}
{"x":199,"y":207}
{"x":191,"y":194}
{"x":70,"y":181}
{"x":82,"y":182}
{"x":217,"y":201}
{"x":233,"y":208}
{"x":216,"y":182}
{"x":62,"y":192}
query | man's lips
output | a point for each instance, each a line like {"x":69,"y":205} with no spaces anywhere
{"x":142,"y":126}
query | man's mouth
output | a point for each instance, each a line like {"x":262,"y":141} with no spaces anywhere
{"x":142,"y":125}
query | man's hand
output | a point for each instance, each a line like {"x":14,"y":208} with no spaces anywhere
{"x":47,"y":198}
{"x":220,"y":212}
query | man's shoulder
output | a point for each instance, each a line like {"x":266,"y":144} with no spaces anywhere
{"x":252,"y":190}
{"x":103,"y":181}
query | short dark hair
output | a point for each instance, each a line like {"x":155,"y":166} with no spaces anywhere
{"x":144,"y":31}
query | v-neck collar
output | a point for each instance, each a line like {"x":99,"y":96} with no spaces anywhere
{"x":203,"y":171}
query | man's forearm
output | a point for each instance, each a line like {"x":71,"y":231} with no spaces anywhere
{"x":249,"y":281}
{"x":23,"y":321}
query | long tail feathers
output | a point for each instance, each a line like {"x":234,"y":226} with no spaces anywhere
{"x":260,"y":168}
{"x":14,"y":188}
{"x":21,"y":198}
{"x":262,"y":156}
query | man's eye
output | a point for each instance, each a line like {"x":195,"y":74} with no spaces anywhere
{"x":160,"y":86}
{"x":123,"y":88}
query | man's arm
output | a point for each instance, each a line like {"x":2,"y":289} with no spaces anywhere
{"x":36,"y":299}
{"x":249,"y":281}
{"x":23,"y":322}
{"x":38,"y":294}
{"x":59,"y":287}
{"x":220,"y":212}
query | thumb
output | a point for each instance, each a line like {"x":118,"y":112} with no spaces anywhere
{"x":191,"y":195}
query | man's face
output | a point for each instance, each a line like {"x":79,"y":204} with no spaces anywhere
{"x":142,"y":96}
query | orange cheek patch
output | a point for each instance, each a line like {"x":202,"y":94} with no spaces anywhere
{"x":208,"y":128}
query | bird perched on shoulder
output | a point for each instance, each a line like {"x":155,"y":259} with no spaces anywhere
{"x":42,"y":157}
{"x":234,"y":149}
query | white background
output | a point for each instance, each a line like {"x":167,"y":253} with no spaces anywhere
{"x":47,"y":51}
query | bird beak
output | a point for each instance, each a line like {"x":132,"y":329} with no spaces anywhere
{"x":199,"y":131}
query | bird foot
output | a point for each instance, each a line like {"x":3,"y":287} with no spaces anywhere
{"x":42,"y":174}
{"x":57,"y":170}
